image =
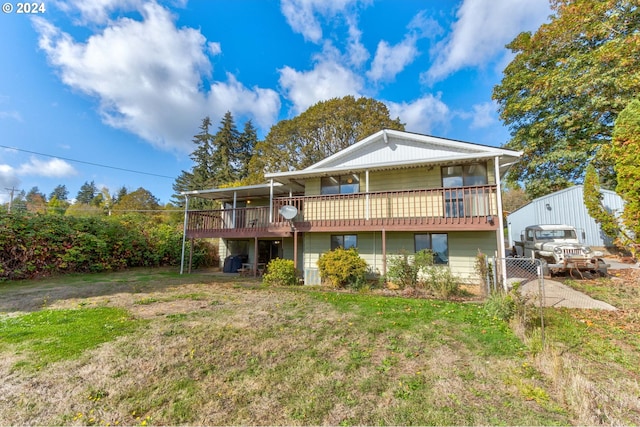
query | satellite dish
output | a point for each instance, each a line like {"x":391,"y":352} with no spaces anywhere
{"x":288,"y":212}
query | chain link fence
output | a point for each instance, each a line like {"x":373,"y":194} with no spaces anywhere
{"x":525,"y":274}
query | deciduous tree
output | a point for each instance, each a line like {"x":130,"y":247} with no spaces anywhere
{"x":139,"y":200}
{"x":324,"y":129}
{"x":563,"y":90}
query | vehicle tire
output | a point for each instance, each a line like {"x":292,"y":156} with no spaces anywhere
{"x":602,"y":269}
{"x":545,"y":268}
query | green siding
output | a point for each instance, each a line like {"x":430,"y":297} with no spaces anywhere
{"x":399,"y":179}
{"x":405,"y":179}
{"x":463,"y":249}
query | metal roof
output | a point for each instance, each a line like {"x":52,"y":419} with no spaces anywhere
{"x":241,"y":192}
{"x":390,"y":149}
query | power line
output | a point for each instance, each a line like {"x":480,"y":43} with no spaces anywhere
{"x":87,"y":163}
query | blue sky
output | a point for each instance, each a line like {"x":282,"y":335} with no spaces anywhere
{"x":126,"y":83}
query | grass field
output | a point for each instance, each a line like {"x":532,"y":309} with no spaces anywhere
{"x":150,"y":347}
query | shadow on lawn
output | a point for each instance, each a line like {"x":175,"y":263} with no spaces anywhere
{"x":33,"y":295}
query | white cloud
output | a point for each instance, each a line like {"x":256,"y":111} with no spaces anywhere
{"x":482,"y":29}
{"x":390,"y":60}
{"x":148,"y":75}
{"x":96,"y":11}
{"x":262,"y":104}
{"x":54,"y":168}
{"x":328,"y":79}
{"x":421,"y":115}
{"x":301,"y":15}
{"x":484,"y":115}
{"x":424,"y":26}
{"x":357,"y":53}
{"x":11,"y":115}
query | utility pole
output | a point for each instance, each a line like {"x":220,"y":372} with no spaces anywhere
{"x":11,"y":191}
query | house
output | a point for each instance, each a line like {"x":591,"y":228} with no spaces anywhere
{"x":390,"y":192}
{"x":564,"y":207}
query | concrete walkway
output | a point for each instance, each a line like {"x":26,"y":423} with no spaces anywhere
{"x":559,"y":295}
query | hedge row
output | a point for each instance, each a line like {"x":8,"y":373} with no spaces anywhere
{"x":33,"y":245}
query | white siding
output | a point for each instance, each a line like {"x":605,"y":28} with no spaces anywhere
{"x":402,"y":149}
{"x":564,"y":207}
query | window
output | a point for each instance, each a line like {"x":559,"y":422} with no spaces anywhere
{"x":345,"y":184}
{"x":461,"y":176}
{"x":435,"y":242}
{"x":345,"y":241}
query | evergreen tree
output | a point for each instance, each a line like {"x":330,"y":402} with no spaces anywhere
{"x":182,"y":183}
{"x":120,"y":194}
{"x":86,"y":193}
{"x":224,"y":160}
{"x":60,"y":192}
{"x":203,"y":169}
{"x":246,"y":145}
{"x":626,"y":155}
{"x":201,"y":175}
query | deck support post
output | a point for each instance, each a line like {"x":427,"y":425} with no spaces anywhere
{"x":190,"y":254}
{"x":295,"y":248}
{"x":384,"y":252}
{"x":255,"y":256}
{"x":184,"y":232}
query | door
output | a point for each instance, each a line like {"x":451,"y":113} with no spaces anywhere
{"x":268,"y":250}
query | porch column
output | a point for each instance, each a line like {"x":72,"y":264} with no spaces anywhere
{"x":367,"y":214}
{"x":500,"y":231}
{"x":184,"y":232}
{"x":270,"y":200}
{"x":233,"y":214}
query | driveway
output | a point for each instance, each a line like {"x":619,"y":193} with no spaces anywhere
{"x":557,"y":294}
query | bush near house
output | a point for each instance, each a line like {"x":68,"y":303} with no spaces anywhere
{"x":34,"y":245}
{"x":419,"y":272}
{"x":343,"y":268}
{"x":280,"y":272}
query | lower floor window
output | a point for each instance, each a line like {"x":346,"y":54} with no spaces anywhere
{"x":435,"y":242}
{"x":344,"y":241}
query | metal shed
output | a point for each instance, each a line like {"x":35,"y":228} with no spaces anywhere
{"x":564,"y":207}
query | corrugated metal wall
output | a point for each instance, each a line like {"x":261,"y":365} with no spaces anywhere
{"x":564,"y":207}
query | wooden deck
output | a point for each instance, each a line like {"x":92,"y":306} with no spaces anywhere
{"x":464,"y":208}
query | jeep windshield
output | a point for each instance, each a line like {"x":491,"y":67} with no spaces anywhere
{"x":555,"y":234}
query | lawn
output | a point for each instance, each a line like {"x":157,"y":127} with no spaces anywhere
{"x":150,"y":347}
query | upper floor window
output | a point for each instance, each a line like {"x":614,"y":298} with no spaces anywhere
{"x":464,"y":175}
{"x":344,"y":184}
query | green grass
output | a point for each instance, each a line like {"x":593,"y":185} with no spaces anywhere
{"x":211,"y":350}
{"x":49,"y":336}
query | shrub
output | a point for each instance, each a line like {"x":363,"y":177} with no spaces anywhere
{"x":280,"y":272}
{"x":33,"y":245}
{"x":401,"y":271}
{"x":500,"y":305}
{"x":484,"y":270}
{"x":440,"y":281}
{"x":343,"y":268}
